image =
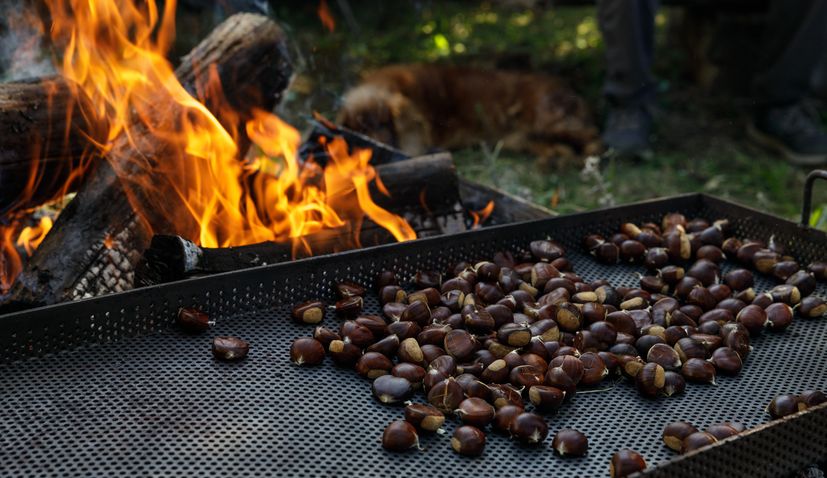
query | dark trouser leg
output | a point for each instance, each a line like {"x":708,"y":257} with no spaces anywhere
{"x":794,"y":41}
{"x":628,"y":33}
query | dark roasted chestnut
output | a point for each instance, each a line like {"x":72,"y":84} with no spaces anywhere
{"x":811,"y":398}
{"x":675,"y":433}
{"x":410,"y":372}
{"x":468,"y":441}
{"x":475,"y":411}
{"x":727,"y":361}
{"x":386,"y":278}
{"x":674,"y":384}
{"x":446,"y":395}
{"x":546,"y":398}
{"x":307,"y":351}
{"x":570,"y":442}
{"x":753,"y":318}
{"x":390,"y":389}
{"x":504,"y":416}
{"x":349,"y":307}
{"x":344,"y":354}
{"x":373,"y":364}
{"x":310,"y":312}
{"x":231,"y":348}
{"x":784,"y":405}
{"x":697,"y":440}
{"x":721,"y":431}
{"x":325,"y":336}
{"x":193,"y":320}
{"x":698,"y":370}
{"x":779,"y":316}
{"x":626,"y":462}
{"x":650,"y":380}
{"x":528,"y":428}
{"x":400,"y":436}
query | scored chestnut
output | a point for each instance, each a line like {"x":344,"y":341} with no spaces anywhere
{"x":468,"y":441}
{"x":545,"y":397}
{"x":232,"y":348}
{"x":310,"y":312}
{"x":698,"y":370}
{"x":400,"y":436}
{"x":425,"y":417}
{"x":570,"y":442}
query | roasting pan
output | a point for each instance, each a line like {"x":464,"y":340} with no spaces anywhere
{"x":108,"y":387}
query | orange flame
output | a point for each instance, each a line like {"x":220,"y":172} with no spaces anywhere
{"x":31,"y":236}
{"x":113,"y":55}
{"x":325,"y":16}
{"x":482,"y":215}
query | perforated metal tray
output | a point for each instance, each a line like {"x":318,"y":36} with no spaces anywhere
{"x":108,"y":387}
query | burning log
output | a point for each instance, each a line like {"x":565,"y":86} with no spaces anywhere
{"x":433,"y":178}
{"x":45,"y":137}
{"x":97,"y":239}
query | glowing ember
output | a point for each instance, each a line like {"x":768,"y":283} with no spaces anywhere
{"x":482,"y":215}
{"x":325,"y":16}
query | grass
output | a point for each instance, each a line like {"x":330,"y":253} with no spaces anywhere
{"x":700,"y":144}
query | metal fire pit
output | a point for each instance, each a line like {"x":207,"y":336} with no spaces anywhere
{"x":107,"y":386}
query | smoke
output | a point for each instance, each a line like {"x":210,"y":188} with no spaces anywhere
{"x":24,"y":50}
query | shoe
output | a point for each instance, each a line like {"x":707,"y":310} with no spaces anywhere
{"x":627,"y":132}
{"x":794,"y":131}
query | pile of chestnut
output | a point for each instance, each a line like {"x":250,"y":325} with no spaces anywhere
{"x":499,"y":342}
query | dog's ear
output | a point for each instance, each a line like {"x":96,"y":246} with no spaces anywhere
{"x":413,"y":131}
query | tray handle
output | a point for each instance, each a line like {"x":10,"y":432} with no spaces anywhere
{"x":807,"y":206}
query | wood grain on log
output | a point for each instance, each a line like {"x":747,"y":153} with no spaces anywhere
{"x":99,"y":227}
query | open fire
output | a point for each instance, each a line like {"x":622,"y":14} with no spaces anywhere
{"x":114,"y":58}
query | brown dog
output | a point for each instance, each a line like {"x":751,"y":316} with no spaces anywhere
{"x":419,"y":107}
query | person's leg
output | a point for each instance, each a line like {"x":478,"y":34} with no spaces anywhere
{"x":628,"y":34}
{"x":794,"y":42}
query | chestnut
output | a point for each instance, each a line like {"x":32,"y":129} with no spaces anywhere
{"x":672,"y":274}
{"x":541,"y":273}
{"x":607,"y":253}
{"x":783,"y":270}
{"x":747,"y":250}
{"x":475,"y":411}
{"x":325,"y":336}
{"x":307,"y":351}
{"x":753,"y":318}
{"x":445,"y":364}
{"x":433,"y":377}
{"x":193,"y":320}
{"x":473,"y":387}
{"x":373,"y":364}
{"x":721,"y":431}
{"x":786,"y":293}
{"x":446,"y":395}
{"x":784,"y":405}
{"x":430,"y":296}
{"x":674,"y":384}
{"x":633,"y":303}
{"x":546,"y":398}
{"x":526,"y":376}
{"x":632,"y":251}
{"x":568,"y":317}
{"x":650,"y":380}
{"x":344,"y":354}
{"x":819,"y":270}
{"x":487,"y":271}
{"x":410,"y":372}
{"x":389,"y":389}
{"x":803,"y":281}
{"x":400,"y":436}
{"x":571,"y":365}
{"x":544,"y":329}
{"x":594,"y":369}
{"x":737,"y":340}
{"x":528,"y":428}
{"x":357,"y":334}
{"x":698,"y":370}
{"x":386,"y":278}
{"x":779,"y":316}
{"x":460,"y":344}
{"x":504,"y":416}
{"x":349,"y":307}
{"x":656,"y":258}
{"x":496,"y":372}
{"x":456,"y":284}
{"x":710,"y":253}
{"x":468,"y":441}
{"x":310,"y":312}
{"x":812,"y":307}
{"x":665,"y":356}
{"x":417,"y":312}
{"x":570,"y":442}
{"x":727,"y":361}
{"x":514,"y":335}
{"x":425,"y":279}
{"x":404,"y":330}
{"x":677,"y":245}
{"x":697,"y":440}
{"x":393,"y":310}
{"x":731,"y":246}
{"x":425,"y":417}
{"x":739,"y":279}
{"x":433,"y":334}
{"x":232,"y":348}
{"x":675,"y":433}
{"x":349,"y":289}
{"x":626,"y":462}
{"x":705,"y":271}
{"x":811,"y":398}
{"x":764,"y":260}
{"x":505,"y":395}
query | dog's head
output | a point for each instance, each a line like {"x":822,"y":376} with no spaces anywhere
{"x":385,"y":116}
